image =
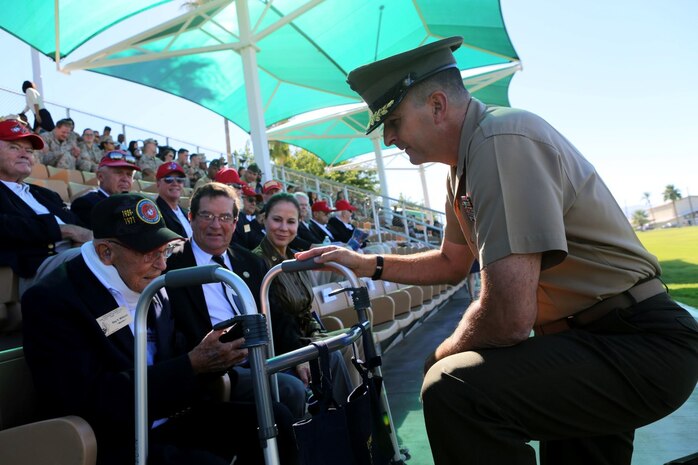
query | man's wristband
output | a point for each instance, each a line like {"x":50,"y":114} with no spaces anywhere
{"x":379,"y":268}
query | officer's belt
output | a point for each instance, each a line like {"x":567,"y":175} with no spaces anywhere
{"x":632,"y":296}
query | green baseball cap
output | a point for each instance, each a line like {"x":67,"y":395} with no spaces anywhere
{"x":384,"y":83}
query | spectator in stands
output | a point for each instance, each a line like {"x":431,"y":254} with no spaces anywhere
{"x":270,"y":188}
{"x":35,"y":103}
{"x":121,"y":143}
{"x":90,"y":153}
{"x":312,"y":197}
{"x":253,"y":177}
{"x":304,"y":231}
{"x":36,"y":228}
{"x":78,"y":344}
{"x":611,"y":352}
{"x":107,"y":145}
{"x":59,"y":151}
{"x":290,"y":189}
{"x":213,"y":167}
{"x":73,"y":136}
{"x":194,"y":173}
{"x":248,"y":231}
{"x":230,"y":177}
{"x":166,"y":154}
{"x":106,"y":133}
{"x":291,"y":294}
{"x":133,"y":147}
{"x":170,"y":183}
{"x":149,"y":162}
{"x":339,"y":196}
{"x":114,"y":176}
{"x":340,"y":223}
{"x":318,"y":223}
{"x":197,"y":308}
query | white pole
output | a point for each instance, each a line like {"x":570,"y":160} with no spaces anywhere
{"x":381,"y":170}
{"x":37,"y":79}
{"x":248,"y":53}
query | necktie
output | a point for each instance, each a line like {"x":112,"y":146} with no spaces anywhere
{"x":232,"y":298}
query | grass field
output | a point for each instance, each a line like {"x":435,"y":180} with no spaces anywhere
{"x":677,"y":251}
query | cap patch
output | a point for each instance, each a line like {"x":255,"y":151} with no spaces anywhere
{"x":147,"y":211}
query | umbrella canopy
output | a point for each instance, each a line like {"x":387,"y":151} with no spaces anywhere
{"x":341,"y":135}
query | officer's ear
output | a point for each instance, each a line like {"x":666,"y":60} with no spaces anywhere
{"x":104,"y":252}
{"x":438,"y":101}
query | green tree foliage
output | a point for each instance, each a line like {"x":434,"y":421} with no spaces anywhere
{"x":673,"y":194}
{"x":640,"y":218}
{"x":307,"y":162}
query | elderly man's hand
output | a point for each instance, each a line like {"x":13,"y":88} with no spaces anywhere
{"x":212,"y":356}
{"x":77,"y":234}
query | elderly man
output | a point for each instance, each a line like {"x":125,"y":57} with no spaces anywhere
{"x":170,"y":183}
{"x":214,"y":167}
{"x":214,"y":212}
{"x":318,"y":223}
{"x":304,"y":231}
{"x":37,"y":229}
{"x":611,"y":351}
{"x":248,"y":231}
{"x":340,"y":224}
{"x":79,"y":346}
{"x":114,"y":176}
{"x":60,"y":151}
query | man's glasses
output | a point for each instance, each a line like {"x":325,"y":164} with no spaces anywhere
{"x":251,"y":199}
{"x":150,"y":257}
{"x":171,"y":179}
{"x":120,"y":155}
{"x":207,"y":217}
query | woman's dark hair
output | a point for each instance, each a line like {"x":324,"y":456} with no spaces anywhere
{"x":26,"y":85}
{"x":281,"y":197}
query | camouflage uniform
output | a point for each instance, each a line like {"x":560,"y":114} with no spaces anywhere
{"x":57,"y":153}
{"x":149,"y":164}
{"x":89,"y":157}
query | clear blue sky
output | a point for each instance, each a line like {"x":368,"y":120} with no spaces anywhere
{"x":617,"y":78}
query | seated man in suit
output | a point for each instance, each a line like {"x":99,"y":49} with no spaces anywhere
{"x":248,"y":231}
{"x":214,"y":212}
{"x":114,"y":175}
{"x":170,"y":179}
{"x":340,"y":224}
{"x":36,"y":228}
{"x":304,"y":231}
{"x":79,"y":344}
{"x":318,"y":223}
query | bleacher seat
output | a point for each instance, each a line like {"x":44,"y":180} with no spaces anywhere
{"x":89,"y":178}
{"x":39,"y":171}
{"x":64,"y":175}
{"x":145,"y":186}
{"x":60,"y":187}
{"x":76,"y":190}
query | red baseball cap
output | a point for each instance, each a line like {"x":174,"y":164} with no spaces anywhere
{"x":321,"y":206}
{"x":229,"y":176}
{"x":11,"y":129}
{"x":169,"y":168}
{"x":272,"y":185}
{"x":119,"y":158}
{"x":247,"y":191}
{"x":344,"y":205}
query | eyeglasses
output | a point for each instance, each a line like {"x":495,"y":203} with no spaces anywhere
{"x":120,"y":155}
{"x":251,"y":199}
{"x":150,"y":257}
{"x":171,"y":179}
{"x":225,"y":218}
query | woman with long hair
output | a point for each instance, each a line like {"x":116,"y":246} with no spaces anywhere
{"x":42,"y":117}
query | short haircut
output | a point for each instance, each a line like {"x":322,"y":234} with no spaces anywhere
{"x":449,"y":81}
{"x":64,"y":122}
{"x":214,"y":189}
{"x":281,"y":197}
{"x":301,"y":194}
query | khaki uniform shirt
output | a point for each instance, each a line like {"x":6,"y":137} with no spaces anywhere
{"x":151,"y":163}
{"x":203,"y":180}
{"x":89,"y":157}
{"x":520,"y":187}
{"x":57,"y":153}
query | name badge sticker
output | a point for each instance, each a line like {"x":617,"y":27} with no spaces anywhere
{"x":115,"y":320}
{"x":246,"y":228}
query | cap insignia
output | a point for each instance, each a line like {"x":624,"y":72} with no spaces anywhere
{"x":147,"y":211}
{"x":381,"y":112}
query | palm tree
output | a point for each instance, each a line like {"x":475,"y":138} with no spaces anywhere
{"x":639,"y":218}
{"x":646,"y":198}
{"x":673,"y":194}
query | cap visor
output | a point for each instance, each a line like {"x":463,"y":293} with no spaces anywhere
{"x":145,"y":242}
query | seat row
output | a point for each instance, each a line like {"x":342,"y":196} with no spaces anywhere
{"x":394,"y":311}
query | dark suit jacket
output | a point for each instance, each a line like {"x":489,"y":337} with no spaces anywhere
{"x":307,"y":235}
{"x":339,"y":231}
{"x":77,"y":370}
{"x":252,"y":237}
{"x":171,"y":220}
{"x":317,"y":230}
{"x":188,"y":303}
{"x":28,"y":238}
{"x":82,"y":206}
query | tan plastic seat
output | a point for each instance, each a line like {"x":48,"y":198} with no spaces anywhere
{"x":89,"y":178}
{"x":39,"y":171}
{"x":60,"y":187}
{"x":64,"y":175}
{"x":75,"y":190}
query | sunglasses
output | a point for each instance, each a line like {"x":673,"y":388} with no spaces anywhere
{"x":171,"y":179}
{"x":120,"y":155}
{"x":235,"y":186}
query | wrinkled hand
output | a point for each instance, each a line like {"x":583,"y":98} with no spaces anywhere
{"x":303,"y":371}
{"x":75,"y":233}
{"x":212,"y":355}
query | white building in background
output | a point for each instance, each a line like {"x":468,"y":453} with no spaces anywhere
{"x":686,"y":213}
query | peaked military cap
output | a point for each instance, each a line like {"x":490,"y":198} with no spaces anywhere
{"x":384,"y":83}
